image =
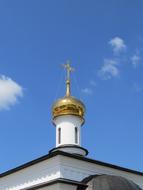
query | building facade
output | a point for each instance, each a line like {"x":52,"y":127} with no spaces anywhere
{"x":67,"y":166}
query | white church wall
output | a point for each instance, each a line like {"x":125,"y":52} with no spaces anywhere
{"x":51,"y":187}
{"x":60,"y":166}
{"x":67,"y":187}
{"x":36,"y":174}
{"x":67,"y":125}
{"x":77,"y":170}
{"x":60,"y":186}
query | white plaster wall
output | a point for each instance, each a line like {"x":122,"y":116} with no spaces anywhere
{"x":36,"y":174}
{"x":67,"y":187}
{"x":60,"y":167}
{"x":60,"y":186}
{"x":67,"y":124}
{"x":51,"y":187}
{"x":77,"y":170}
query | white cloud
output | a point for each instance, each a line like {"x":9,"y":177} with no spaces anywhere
{"x":117,"y":44}
{"x":109,"y":69}
{"x":135,"y":60}
{"x":10,"y":91}
{"x":87,"y":91}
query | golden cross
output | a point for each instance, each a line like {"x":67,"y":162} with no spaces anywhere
{"x":68,"y":68}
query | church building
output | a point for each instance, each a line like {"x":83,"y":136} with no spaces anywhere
{"x":67,"y":166}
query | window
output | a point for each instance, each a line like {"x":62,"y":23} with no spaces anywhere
{"x":59,"y":135}
{"x":76,"y":135}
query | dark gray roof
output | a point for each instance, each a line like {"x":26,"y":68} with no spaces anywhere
{"x":109,"y":182}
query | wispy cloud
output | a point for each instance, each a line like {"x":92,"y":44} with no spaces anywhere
{"x":87,"y":91}
{"x":90,"y":89}
{"x":10,"y":91}
{"x":137,"y":87}
{"x":117,"y":44}
{"x":135,"y":60}
{"x":109,"y":69}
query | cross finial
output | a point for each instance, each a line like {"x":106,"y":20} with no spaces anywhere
{"x":69,"y":70}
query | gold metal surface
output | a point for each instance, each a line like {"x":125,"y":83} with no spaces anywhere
{"x":68,"y":105}
{"x":69,"y":70}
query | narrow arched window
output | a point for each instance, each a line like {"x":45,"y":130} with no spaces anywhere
{"x":59,"y":135}
{"x":76,"y":135}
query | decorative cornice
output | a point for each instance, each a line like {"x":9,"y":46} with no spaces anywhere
{"x":56,"y":153}
{"x":59,"y":180}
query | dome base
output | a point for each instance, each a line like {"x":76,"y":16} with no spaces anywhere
{"x":72,"y":149}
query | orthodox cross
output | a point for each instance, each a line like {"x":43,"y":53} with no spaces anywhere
{"x":69,"y":70}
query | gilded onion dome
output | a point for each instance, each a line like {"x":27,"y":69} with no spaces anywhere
{"x":68,"y":105}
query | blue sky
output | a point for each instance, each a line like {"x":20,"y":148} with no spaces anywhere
{"x":104,"y":41}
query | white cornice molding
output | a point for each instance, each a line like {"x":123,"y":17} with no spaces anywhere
{"x":61,"y":165}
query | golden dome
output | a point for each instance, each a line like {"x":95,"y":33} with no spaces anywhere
{"x":68,"y":105}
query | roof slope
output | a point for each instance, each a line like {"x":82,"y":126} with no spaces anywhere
{"x":48,"y":156}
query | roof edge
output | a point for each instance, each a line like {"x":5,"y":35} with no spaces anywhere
{"x":58,"y":152}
